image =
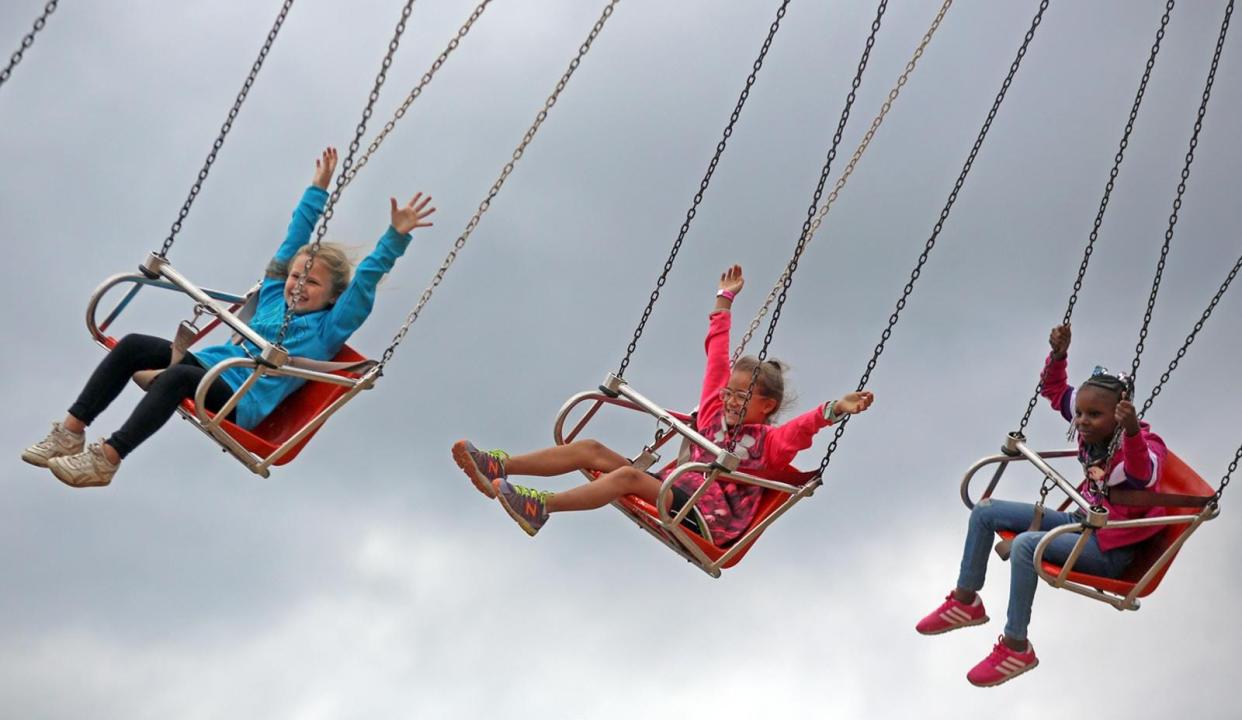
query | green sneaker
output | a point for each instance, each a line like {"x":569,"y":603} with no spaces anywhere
{"x":527,"y":506}
{"x":481,"y":467}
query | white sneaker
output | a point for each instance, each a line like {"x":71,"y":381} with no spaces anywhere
{"x":89,"y":468}
{"x":58,"y":443}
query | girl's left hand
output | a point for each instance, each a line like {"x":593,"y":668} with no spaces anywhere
{"x":324,"y":167}
{"x":855,"y":402}
{"x":1127,"y":417}
{"x":413,"y":215}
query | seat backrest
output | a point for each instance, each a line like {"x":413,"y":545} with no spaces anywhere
{"x":304,"y":403}
{"x":1178,"y":478}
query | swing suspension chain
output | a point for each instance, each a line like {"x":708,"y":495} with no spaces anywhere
{"x":944,"y":216}
{"x":27,"y":41}
{"x":756,"y":66}
{"x":1224,"y":481}
{"x":786,"y":280}
{"x":1181,"y":189}
{"x":460,"y":243}
{"x":1108,"y":190}
{"x":815,"y":219}
{"x":224,"y":129}
{"x":1181,"y":352}
{"x":1168,"y":233}
{"x":415,"y":93}
{"x":346,"y":165}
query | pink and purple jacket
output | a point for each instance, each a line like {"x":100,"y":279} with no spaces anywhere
{"x":766,"y":450}
{"x":1136,"y":463}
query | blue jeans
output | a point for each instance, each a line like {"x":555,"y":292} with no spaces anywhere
{"x":989,"y":516}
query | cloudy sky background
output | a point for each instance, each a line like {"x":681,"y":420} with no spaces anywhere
{"x":368,"y":579}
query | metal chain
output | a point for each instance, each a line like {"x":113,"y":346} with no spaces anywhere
{"x":809,"y":229}
{"x":698,"y":196}
{"x":783,"y":285}
{"x":1181,"y":352}
{"x":224,"y":129}
{"x":1181,"y":190}
{"x":1224,"y":481}
{"x":460,"y":243}
{"x":27,"y":41}
{"x":944,"y":216}
{"x":341,"y":179}
{"x":1108,"y":190}
{"x":417,"y":91}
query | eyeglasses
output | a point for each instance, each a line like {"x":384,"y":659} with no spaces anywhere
{"x":728,"y":394}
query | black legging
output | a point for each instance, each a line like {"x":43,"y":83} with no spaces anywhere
{"x":143,"y":352}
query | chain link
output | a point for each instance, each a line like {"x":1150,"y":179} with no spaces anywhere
{"x":1108,"y":190}
{"x":1181,"y":352}
{"x":224,"y":129}
{"x":27,"y":41}
{"x":460,"y":243}
{"x":944,"y":216}
{"x":344,"y":176}
{"x":415,"y":93}
{"x":815,"y":219}
{"x":1181,"y":190}
{"x":786,"y":280}
{"x":1224,"y":481}
{"x":698,"y":196}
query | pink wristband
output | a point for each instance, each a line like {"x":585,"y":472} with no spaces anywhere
{"x":726,"y":294}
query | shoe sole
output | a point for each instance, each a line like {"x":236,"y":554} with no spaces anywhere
{"x":66,"y":479}
{"x":958,"y":626}
{"x":1006,"y":678}
{"x":36,"y":460}
{"x":462,"y":457}
{"x":517,"y":517}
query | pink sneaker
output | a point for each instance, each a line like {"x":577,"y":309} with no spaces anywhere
{"x":952,"y":615}
{"x":1003,"y":664}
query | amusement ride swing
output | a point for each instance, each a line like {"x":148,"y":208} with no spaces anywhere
{"x":281,"y":436}
{"x":1188,"y":500}
{"x":780,"y":494}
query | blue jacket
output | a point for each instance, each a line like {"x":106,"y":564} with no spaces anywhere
{"x":318,"y":335}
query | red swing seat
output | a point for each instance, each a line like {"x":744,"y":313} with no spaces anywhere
{"x":769,"y":502}
{"x":1178,"y":478}
{"x":293,"y":413}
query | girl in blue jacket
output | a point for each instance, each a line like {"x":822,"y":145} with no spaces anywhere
{"x":330,"y":307}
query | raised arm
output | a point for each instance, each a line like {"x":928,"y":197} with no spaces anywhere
{"x":1055,"y":385}
{"x":716,"y":345}
{"x":355,"y":303}
{"x":307,"y":212}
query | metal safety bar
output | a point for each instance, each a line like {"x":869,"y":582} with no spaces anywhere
{"x":273,"y":360}
{"x":667,"y":527}
{"x":1014,"y":450}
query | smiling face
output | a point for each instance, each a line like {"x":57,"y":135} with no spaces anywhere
{"x":316,"y":291}
{"x":1094,"y":416}
{"x":737,"y":410}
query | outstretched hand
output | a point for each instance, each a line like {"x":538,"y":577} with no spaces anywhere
{"x":325,"y":165}
{"x":732,"y":280}
{"x":413,"y":215}
{"x":855,"y":402}
{"x":1059,"y":340}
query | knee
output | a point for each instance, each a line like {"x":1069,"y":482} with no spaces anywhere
{"x":178,"y":379}
{"x":589,"y":447}
{"x":629,"y":479}
{"x":981,"y":513}
{"x":1023,"y":548}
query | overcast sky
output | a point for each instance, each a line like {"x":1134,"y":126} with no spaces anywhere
{"x":369,"y":579}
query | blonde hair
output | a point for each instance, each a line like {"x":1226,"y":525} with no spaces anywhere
{"x":769,"y":381}
{"x":333,"y":256}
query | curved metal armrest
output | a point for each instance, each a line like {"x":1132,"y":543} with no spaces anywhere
{"x":97,"y":329}
{"x":712,"y":474}
{"x":259,"y":370}
{"x":1003,"y":461}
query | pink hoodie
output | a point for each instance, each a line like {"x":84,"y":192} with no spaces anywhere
{"x":1136,"y":463}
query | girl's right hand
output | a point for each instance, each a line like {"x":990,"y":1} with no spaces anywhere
{"x":1059,"y":340}
{"x":325,"y":165}
{"x":732,"y":279}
